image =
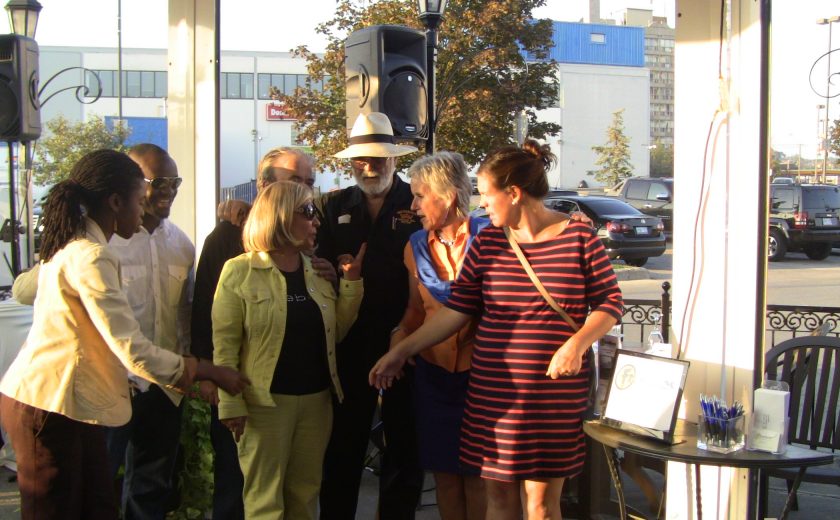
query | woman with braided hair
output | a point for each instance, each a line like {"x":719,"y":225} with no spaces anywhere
{"x":69,"y":379}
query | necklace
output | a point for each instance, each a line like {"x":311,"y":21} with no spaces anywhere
{"x":447,"y":243}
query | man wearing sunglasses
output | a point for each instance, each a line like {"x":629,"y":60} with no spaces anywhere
{"x":156,"y":267}
{"x":222,"y":244}
{"x":376,"y":211}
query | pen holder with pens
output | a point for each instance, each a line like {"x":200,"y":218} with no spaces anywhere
{"x":720,"y":435}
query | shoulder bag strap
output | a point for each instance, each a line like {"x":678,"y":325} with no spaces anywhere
{"x":536,"y":281}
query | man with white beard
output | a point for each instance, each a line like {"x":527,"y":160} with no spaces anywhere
{"x":376,"y":211}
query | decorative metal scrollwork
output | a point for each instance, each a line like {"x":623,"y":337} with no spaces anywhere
{"x":83,"y":92}
{"x":829,"y":82}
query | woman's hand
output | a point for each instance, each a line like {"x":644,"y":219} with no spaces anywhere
{"x":352,"y":266}
{"x":566,"y":361}
{"x":388,"y":368}
{"x":236,"y":425}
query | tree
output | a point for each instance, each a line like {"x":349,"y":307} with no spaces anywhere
{"x":68,"y":142}
{"x":834,"y":139}
{"x":662,"y":160}
{"x":481,"y":80}
{"x":614,"y":155}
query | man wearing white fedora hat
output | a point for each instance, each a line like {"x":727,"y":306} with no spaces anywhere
{"x":376,"y":211}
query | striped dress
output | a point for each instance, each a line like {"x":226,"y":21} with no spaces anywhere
{"x":518,"y":423}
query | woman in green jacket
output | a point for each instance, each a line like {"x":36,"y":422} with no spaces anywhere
{"x":278,"y":322}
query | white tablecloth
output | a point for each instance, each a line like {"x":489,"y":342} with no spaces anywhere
{"x":15,"y":320}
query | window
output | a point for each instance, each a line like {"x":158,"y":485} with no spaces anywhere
{"x":636,"y":190}
{"x":135,"y":83}
{"x":286,"y":83}
{"x":598,"y":38}
{"x":781,"y":199}
{"x":237,"y":85}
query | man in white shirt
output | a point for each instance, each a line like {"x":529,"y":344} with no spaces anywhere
{"x":157,"y":276}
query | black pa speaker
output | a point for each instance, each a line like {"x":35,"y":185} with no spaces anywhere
{"x":385,"y":71}
{"x":20,"y":112}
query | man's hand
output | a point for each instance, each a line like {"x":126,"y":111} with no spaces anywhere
{"x":324,"y":269}
{"x":352,"y":266}
{"x":209,"y":392}
{"x":233,"y":211}
{"x":236,"y":425}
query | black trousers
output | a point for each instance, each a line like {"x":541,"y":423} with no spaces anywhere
{"x":401,"y":480}
{"x":62,"y":465}
{"x":148,"y":446}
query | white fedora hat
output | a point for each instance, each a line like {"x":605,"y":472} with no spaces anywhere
{"x":372,"y":136}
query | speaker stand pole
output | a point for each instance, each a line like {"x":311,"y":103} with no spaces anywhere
{"x":431,"y":63}
{"x":13,"y":221}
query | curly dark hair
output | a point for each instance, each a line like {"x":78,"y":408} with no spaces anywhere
{"x":92,"y":180}
{"x":525,"y":167}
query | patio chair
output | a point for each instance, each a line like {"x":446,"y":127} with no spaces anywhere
{"x":811,"y":368}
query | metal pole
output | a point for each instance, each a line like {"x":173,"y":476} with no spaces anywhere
{"x":119,"y":64}
{"x":827,"y":87}
{"x":431,"y":63}
{"x":13,"y":221}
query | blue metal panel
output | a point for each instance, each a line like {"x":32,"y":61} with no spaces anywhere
{"x":597,"y":44}
{"x":143,"y":130}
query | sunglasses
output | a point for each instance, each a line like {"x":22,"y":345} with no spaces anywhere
{"x":160,"y":183}
{"x":308,"y":211}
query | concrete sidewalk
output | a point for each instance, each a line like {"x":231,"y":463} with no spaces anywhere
{"x":817,"y":501}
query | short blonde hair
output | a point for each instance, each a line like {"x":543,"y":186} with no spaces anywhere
{"x":269,"y":224}
{"x":445,"y":173}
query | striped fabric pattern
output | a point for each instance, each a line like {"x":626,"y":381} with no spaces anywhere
{"x":518,"y":423}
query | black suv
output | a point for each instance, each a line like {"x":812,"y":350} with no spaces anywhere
{"x":650,"y":195}
{"x":803,"y":217}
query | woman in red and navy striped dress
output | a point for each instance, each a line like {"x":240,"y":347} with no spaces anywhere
{"x":522,"y":427}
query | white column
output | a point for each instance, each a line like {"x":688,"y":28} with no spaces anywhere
{"x":716,"y":249}
{"x":193,"y":113}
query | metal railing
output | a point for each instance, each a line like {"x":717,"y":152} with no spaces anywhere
{"x":781,"y":321}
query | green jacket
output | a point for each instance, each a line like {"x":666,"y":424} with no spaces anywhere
{"x":249,"y":323}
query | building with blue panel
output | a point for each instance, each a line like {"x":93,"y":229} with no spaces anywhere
{"x":598,"y":44}
{"x":600,"y":70}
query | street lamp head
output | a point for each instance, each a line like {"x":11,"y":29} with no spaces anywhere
{"x":431,"y":12}
{"x":23,"y":16}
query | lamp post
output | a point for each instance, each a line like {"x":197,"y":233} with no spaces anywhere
{"x":23,"y":19}
{"x":820,"y":141}
{"x":431,"y":14}
{"x":23,"y":16}
{"x":830,"y":22}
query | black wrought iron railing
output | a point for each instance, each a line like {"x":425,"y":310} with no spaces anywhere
{"x":781,"y":321}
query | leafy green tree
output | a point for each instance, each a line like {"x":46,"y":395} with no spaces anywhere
{"x":481,"y":77}
{"x":662,"y":160}
{"x":834,"y":139}
{"x":614,"y":155}
{"x":69,"y":141}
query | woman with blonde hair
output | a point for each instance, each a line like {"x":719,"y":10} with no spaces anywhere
{"x":433,"y":257}
{"x":278,"y":322}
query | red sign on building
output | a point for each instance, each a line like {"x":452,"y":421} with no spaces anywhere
{"x":274,"y":112}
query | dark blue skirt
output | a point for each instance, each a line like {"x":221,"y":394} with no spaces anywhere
{"x":439,"y":406}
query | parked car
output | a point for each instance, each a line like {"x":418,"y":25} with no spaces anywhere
{"x":803,"y":217}
{"x":650,"y":195}
{"x":783,"y":180}
{"x":627,"y":233}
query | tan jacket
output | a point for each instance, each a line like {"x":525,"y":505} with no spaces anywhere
{"x":249,"y":323}
{"x":83,"y":338}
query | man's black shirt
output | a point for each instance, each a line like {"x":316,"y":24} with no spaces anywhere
{"x":222,"y":244}
{"x":347,"y":224}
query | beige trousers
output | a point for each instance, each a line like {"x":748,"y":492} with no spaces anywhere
{"x":281,"y":454}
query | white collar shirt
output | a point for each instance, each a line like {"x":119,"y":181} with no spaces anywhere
{"x":157,"y":276}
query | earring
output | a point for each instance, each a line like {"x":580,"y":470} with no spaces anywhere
{"x":514,"y":202}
